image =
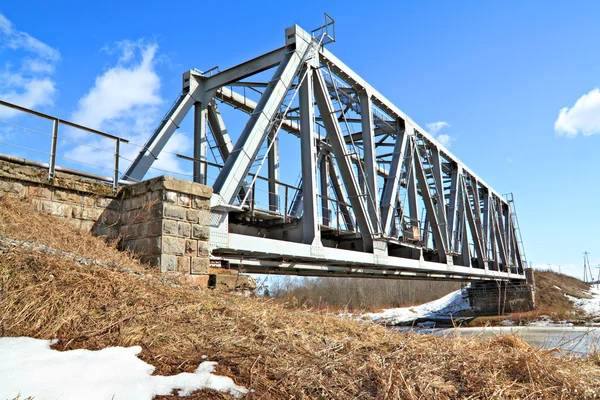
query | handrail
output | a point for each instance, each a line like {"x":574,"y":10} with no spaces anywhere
{"x":62,"y":121}
{"x":55,"y":124}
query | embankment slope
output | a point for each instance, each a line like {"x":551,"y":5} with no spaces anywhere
{"x":279,"y":353}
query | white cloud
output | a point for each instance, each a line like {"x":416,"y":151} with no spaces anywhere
{"x":583,"y":117}
{"x":125,"y":101}
{"x":444,"y":139}
{"x":15,"y":39}
{"x":29,"y":84}
{"x":435,"y":127}
{"x":126,"y":89}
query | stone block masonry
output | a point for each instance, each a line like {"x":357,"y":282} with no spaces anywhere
{"x":500,"y":297}
{"x":80,"y":201}
{"x":165,"y":221}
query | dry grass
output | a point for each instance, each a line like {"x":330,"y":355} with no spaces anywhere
{"x":280,"y":353}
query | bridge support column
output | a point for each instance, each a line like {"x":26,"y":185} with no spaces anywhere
{"x":501,"y":297}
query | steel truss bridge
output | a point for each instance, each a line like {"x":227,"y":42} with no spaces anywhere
{"x":377,"y":196}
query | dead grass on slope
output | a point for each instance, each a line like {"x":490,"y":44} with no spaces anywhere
{"x":20,"y":220}
{"x":279,"y":353}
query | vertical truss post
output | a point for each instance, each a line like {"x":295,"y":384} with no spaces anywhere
{"x":453,"y":206}
{"x":308,"y":147}
{"x":273,"y":171}
{"x":436,"y":229}
{"x":340,"y":196}
{"x":390,"y":190}
{"x":200,"y":142}
{"x":499,"y":232}
{"x":324,"y":181}
{"x":441,"y":200}
{"x":342,"y":158}
{"x":465,"y":251}
{"x":412,"y":186}
{"x":473,"y":224}
{"x":493,"y":234}
{"x":370,"y":168}
{"x":477,"y":211}
{"x":486,"y":223}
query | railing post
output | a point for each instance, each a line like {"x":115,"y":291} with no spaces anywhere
{"x":116,"y":172}
{"x":52,"y":166}
{"x":285,"y":205}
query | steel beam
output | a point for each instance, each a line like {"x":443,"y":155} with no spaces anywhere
{"x":324,"y":182}
{"x":200,"y":142}
{"x":260,"y":123}
{"x":411,"y":184}
{"x":370,"y":167}
{"x":219,"y":130}
{"x":340,"y":196}
{"x":149,"y":153}
{"x":392,"y":183}
{"x":436,"y":228}
{"x":338,"y":144}
{"x":499,"y":233}
{"x":273,"y":171}
{"x":311,"y":229}
{"x":440,"y":196}
{"x":473,"y":225}
{"x":247,"y":105}
{"x":452,"y":211}
{"x":246,"y":69}
{"x":241,"y":102}
{"x":353,"y":79}
{"x":251,"y":245}
{"x":486,"y":223}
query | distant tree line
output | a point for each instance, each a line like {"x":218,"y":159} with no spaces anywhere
{"x":355,"y":293}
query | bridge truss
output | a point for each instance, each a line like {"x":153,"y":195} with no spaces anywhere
{"x":377,"y":196}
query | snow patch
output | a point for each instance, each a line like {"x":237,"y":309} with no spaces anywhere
{"x":590,"y":306}
{"x":29,"y":367}
{"x":448,"y":305}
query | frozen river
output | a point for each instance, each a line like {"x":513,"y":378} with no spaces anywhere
{"x":572,"y":340}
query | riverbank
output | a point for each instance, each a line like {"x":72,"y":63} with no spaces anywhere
{"x":269,"y":350}
{"x":560,"y":300}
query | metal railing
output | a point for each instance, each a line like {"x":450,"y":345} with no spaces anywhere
{"x":56,"y":122}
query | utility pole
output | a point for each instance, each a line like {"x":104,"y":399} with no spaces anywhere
{"x":586,"y":268}
{"x":598,"y":279}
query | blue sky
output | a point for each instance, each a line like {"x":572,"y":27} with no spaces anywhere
{"x":492,"y":76}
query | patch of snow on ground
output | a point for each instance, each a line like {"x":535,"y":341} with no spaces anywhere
{"x":29,"y":367}
{"x":589,"y":306}
{"x":450,"y":304}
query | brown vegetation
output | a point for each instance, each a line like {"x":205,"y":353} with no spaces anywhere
{"x":356,"y":294}
{"x":279,"y":353}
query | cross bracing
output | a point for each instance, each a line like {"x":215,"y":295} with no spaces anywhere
{"x":329,"y":178}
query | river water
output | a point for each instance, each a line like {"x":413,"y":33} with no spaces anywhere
{"x":572,"y":340}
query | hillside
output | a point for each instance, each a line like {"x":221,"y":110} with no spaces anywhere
{"x":277,"y":352}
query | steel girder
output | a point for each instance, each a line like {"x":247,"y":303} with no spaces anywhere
{"x":397,"y":194}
